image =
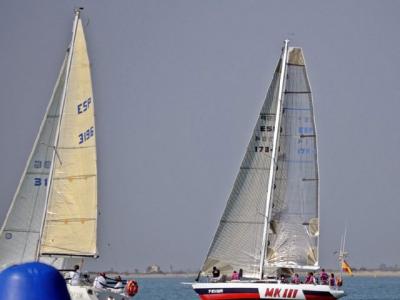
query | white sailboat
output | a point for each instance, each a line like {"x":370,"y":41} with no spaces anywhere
{"x":270,"y":225}
{"x":53,"y":215}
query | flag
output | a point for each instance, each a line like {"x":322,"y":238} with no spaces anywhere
{"x":346,"y":268}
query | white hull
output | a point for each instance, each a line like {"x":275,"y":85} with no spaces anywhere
{"x":265,"y":290}
{"x":90,"y":293}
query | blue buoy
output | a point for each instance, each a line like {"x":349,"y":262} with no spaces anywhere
{"x":32,"y":281}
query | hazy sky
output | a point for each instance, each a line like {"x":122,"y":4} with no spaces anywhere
{"x":178,"y":86}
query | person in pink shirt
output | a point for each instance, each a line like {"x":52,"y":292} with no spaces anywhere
{"x":235,"y":275}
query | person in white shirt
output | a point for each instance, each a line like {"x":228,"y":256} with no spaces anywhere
{"x":74,"y":276}
{"x":100,"y":281}
{"x":119,"y":286}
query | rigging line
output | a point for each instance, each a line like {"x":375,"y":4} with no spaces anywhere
{"x":55,"y":150}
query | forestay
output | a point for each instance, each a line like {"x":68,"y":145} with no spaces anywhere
{"x":71,"y":216}
{"x":293,"y":228}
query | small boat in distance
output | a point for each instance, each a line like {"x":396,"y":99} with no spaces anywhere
{"x":53,"y":215}
{"x":270,"y":227}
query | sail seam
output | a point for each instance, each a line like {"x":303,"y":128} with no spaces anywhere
{"x":80,"y":147}
{"x":37,"y":173}
{"x":75,"y":177}
{"x":72,"y":220}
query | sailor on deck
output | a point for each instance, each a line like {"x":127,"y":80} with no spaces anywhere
{"x":100,"y":281}
{"x":119,"y":287}
{"x":215,"y":275}
{"x":323,"y":276}
{"x":235,"y":275}
{"x":296,"y":279}
{"x":74,"y":276}
{"x":310,"y":279}
{"x":332,"y":281}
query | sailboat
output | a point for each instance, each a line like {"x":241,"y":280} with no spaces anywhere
{"x":270,"y":226}
{"x":53,"y":215}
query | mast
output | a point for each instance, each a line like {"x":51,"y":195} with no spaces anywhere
{"x":273,"y":164}
{"x":64,"y":94}
{"x":342,"y":253}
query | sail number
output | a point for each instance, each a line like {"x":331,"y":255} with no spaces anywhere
{"x":305,"y":151}
{"x":37,"y":181}
{"x":38,"y":164}
{"x":84,"y":136}
{"x":84,"y":106}
{"x":306,"y":130}
{"x":262,"y":149}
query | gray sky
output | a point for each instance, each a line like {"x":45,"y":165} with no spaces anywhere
{"x":178,"y":86}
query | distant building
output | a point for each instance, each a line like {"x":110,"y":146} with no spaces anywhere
{"x":153,"y":269}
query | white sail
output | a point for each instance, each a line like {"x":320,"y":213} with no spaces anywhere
{"x":20,"y":232}
{"x":71,"y":217}
{"x":237,"y":243}
{"x":294,"y":224}
{"x":293,"y":219}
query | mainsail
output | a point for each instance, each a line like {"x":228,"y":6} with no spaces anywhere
{"x":54,"y":210}
{"x":293,"y":240}
{"x":292,"y":237}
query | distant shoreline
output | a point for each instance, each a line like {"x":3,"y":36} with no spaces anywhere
{"x":373,"y":273}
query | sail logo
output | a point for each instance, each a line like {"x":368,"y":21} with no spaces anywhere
{"x":84,"y":106}
{"x":281,"y":293}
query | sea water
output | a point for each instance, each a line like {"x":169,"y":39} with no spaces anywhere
{"x":356,"y":288}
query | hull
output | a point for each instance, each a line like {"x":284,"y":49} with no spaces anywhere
{"x":263,"y":290}
{"x":90,"y":293}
